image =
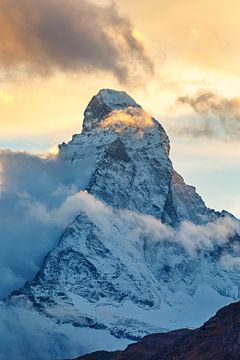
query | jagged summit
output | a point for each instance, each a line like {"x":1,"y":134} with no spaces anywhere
{"x":114,"y":98}
{"x":122,"y":157}
{"x":102,"y":104}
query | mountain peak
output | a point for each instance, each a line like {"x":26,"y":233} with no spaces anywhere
{"x":102,"y":104}
{"x":114,"y":98}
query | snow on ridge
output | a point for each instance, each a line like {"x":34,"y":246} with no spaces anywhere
{"x":114,"y":98}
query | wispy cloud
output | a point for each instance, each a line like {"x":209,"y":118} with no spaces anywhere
{"x":231,"y":261}
{"x":216,"y":116}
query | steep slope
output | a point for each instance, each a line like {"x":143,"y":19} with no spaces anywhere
{"x":217,"y":339}
{"x":122,"y":157}
{"x":145,"y":253}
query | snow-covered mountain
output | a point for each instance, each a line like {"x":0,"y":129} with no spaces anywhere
{"x":144,"y":254}
{"x":122,"y":157}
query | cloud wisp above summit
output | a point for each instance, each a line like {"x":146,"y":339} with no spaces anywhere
{"x":40,"y":37}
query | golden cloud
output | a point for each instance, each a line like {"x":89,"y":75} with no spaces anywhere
{"x":131,"y":117}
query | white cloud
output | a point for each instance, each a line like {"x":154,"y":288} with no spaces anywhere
{"x":193,"y":237}
{"x":37,"y":203}
{"x":230,"y":261}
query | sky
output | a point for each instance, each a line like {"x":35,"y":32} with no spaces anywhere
{"x":179,"y":59}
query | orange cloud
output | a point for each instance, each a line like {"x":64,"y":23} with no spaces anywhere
{"x":40,"y":37}
{"x":130,"y":117}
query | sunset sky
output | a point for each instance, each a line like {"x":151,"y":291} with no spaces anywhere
{"x":179,"y":59}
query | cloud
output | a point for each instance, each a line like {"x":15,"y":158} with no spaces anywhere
{"x":190,"y":236}
{"x":28,"y":335}
{"x":24,"y":240}
{"x":39,"y":37}
{"x":38,"y":200}
{"x":194,"y":237}
{"x":216,"y":116}
{"x":102,"y":215}
{"x":230,"y":261}
{"x":131,"y":117}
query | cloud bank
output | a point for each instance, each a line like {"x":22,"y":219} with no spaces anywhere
{"x":217,"y":117}
{"x":38,"y":201}
{"x":39,"y":37}
{"x":24,"y":240}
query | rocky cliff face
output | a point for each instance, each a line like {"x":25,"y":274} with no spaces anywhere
{"x":122,"y":157}
{"x":145,"y":253}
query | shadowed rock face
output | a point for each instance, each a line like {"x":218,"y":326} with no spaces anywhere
{"x":117,"y":151}
{"x":217,"y":339}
